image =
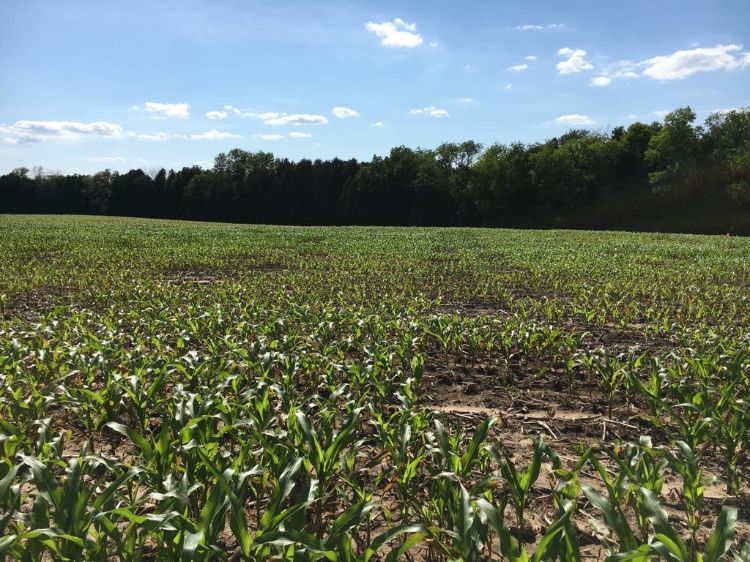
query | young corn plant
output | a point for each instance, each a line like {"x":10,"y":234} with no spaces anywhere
{"x":519,"y":484}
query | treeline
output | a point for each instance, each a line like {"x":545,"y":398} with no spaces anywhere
{"x":671,"y":175}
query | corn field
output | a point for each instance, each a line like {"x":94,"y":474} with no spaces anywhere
{"x":195,"y":392}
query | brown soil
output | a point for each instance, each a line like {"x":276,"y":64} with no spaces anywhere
{"x":33,"y":304}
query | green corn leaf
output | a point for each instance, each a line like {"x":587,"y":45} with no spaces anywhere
{"x":349,"y":518}
{"x":614,"y":518}
{"x":137,"y":439}
{"x":306,"y":540}
{"x":723,"y":535}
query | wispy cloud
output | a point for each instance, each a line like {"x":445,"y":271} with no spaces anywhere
{"x":277,"y":118}
{"x":377,"y":124}
{"x":214,"y":115}
{"x":299,"y":135}
{"x":167,"y":110}
{"x":432,"y":111}
{"x":213,"y":134}
{"x":518,"y":67}
{"x":396,"y":33}
{"x":538,"y":27}
{"x":111,"y":159}
{"x":615,"y":71}
{"x":270,"y":137}
{"x":295,"y":119}
{"x":161,"y":136}
{"x":344,"y":112}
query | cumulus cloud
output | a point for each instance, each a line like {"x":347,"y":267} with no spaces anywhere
{"x":432,"y":111}
{"x":299,"y":135}
{"x":575,"y":61}
{"x":213,"y":134}
{"x":518,"y":67}
{"x":271,"y":137}
{"x":678,"y":65}
{"x":213,"y":115}
{"x":682,"y":64}
{"x":531,"y":57}
{"x":167,"y":110}
{"x":344,"y":112}
{"x":574,"y":119}
{"x":36,"y":131}
{"x":396,"y":33}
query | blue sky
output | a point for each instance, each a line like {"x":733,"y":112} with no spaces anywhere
{"x":145,"y":84}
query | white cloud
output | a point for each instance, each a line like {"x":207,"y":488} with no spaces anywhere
{"x":518,"y":67}
{"x":240,"y":112}
{"x":466,"y":100}
{"x":213,"y":134}
{"x":213,"y":115}
{"x":299,"y":135}
{"x":271,"y":137}
{"x":508,"y":86}
{"x":574,"y":119}
{"x":617,"y":70}
{"x":160,"y":137}
{"x":377,"y":124}
{"x":682,"y":64}
{"x":167,"y":110}
{"x":276,"y":118}
{"x":106,"y":159}
{"x":631,"y":117}
{"x":36,"y":131}
{"x":432,"y":111}
{"x":293,"y":119}
{"x":575,"y":61}
{"x":8,"y":140}
{"x":537,"y":27}
{"x":531,"y":57}
{"x":344,"y":112}
{"x":396,"y":33}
